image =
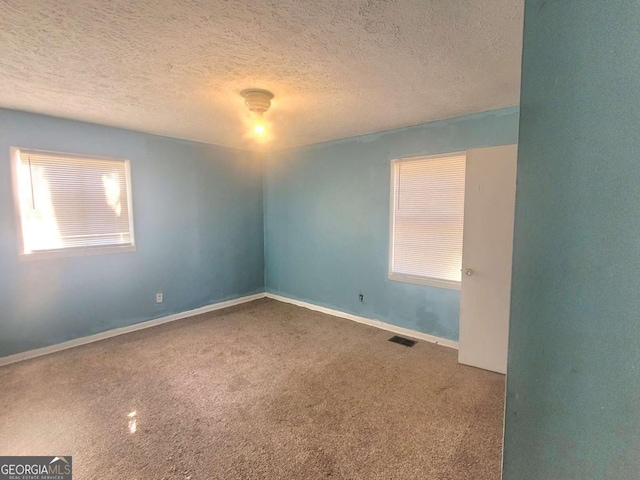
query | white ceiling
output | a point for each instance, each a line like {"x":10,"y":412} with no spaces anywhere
{"x":338,"y":68}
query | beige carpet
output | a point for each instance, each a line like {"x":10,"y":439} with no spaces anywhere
{"x":262,"y":390}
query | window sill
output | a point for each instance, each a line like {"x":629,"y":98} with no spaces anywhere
{"x":429,"y":282}
{"x":75,"y":252}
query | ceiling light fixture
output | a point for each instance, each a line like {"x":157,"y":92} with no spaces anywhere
{"x":258,"y":101}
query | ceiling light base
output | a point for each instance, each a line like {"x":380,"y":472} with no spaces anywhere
{"x":257,"y":100}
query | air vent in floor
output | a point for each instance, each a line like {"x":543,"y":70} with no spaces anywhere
{"x":402,"y":341}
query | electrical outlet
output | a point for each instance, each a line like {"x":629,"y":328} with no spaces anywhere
{"x":159,"y":297}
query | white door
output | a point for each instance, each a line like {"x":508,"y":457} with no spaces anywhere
{"x":489,"y":204}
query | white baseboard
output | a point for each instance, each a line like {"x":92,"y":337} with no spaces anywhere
{"x":369,"y":321}
{"x":38,"y":352}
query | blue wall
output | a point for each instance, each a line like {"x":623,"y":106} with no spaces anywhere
{"x":199,"y":234}
{"x":327,"y":221}
{"x":573,"y":382}
{"x":198,"y":213}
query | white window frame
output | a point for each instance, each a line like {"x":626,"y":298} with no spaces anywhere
{"x":14,"y":155}
{"x":403,"y":277}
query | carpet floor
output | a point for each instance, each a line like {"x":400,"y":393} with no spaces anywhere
{"x":264,"y":390}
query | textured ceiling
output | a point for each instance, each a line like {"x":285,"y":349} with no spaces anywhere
{"x":337,"y":67}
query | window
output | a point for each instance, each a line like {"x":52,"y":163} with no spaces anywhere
{"x":71,"y":205}
{"x":427,"y":213}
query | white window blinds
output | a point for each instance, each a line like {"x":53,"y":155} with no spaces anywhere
{"x":427,"y":219}
{"x":69,"y":203}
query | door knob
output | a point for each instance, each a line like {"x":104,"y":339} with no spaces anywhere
{"x":468,"y":272}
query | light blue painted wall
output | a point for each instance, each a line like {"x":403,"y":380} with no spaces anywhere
{"x":199,"y":233}
{"x":327,"y":221}
{"x":573,"y":383}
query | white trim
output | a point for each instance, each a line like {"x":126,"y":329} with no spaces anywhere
{"x":129,"y":184}
{"x":14,"y":154}
{"x":428,"y":281}
{"x":368,"y":321}
{"x":430,"y":156}
{"x":76,"y":252}
{"x":392,"y":215}
{"x":38,"y":352}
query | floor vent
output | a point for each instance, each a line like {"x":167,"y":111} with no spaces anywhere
{"x":402,"y":341}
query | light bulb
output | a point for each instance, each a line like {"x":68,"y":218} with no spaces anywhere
{"x":258,"y":129}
